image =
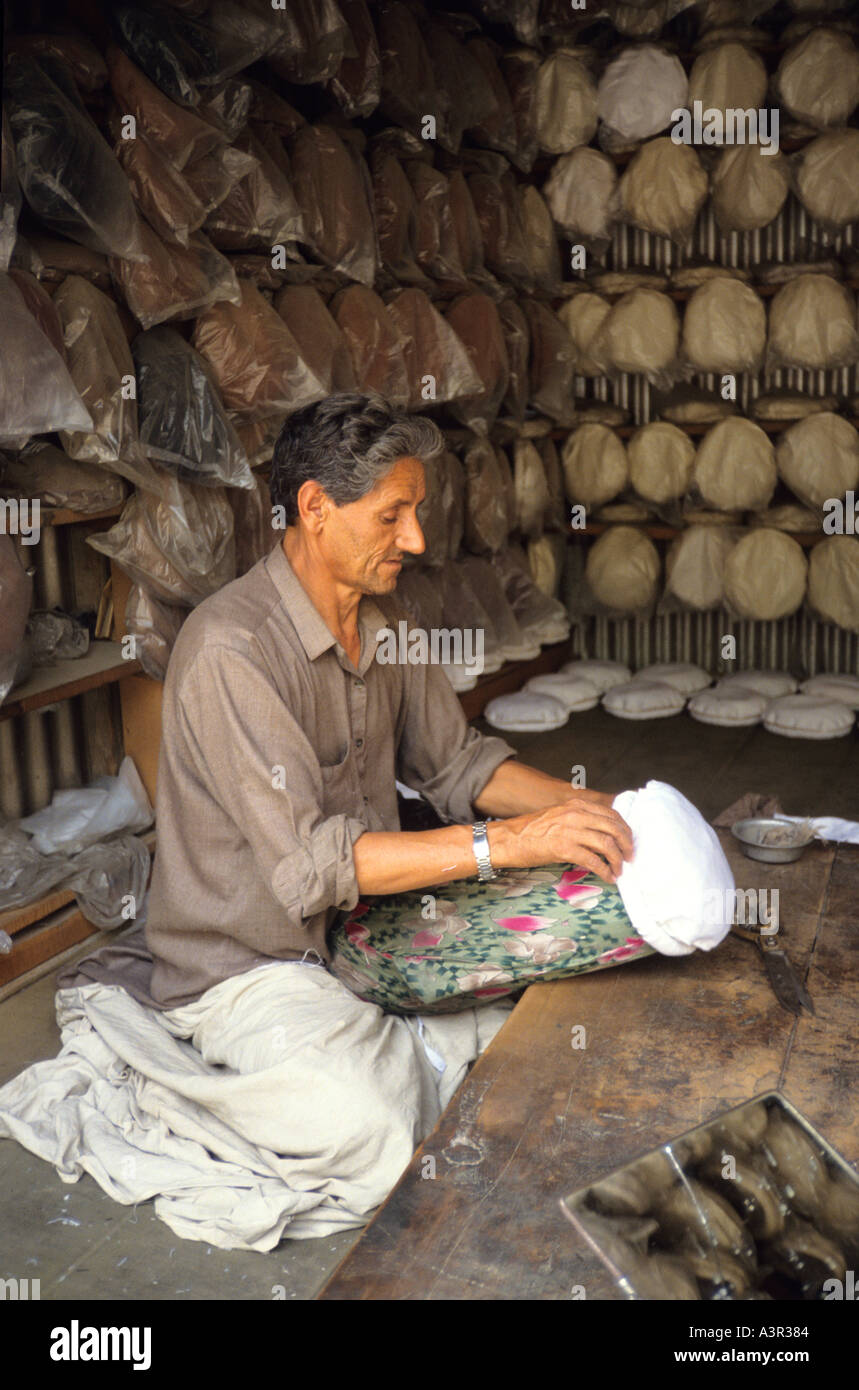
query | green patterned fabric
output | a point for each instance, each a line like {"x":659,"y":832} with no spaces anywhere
{"x":463,"y":943}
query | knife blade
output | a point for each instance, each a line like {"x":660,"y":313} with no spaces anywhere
{"x":788,"y":990}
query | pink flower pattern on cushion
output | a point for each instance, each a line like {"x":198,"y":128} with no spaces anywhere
{"x":571,"y":889}
{"x":632,"y":948}
{"x":515,"y":883}
{"x":524,"y":923}
{"x":541,"y":947}
{"x":432,"y":931}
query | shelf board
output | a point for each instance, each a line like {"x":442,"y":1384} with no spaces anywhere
{"x":63,"y":516}
{"x":659,"y":531}
{"x":61,"y":680}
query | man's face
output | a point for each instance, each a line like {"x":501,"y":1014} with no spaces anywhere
{"x":365,"y":541}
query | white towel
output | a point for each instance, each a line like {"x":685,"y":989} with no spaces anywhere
{"x":827,"y":827}
{"x":678,"y":889}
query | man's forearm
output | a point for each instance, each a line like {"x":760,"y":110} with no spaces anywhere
{"x":515,"y":789}
{"x":398,"y":861}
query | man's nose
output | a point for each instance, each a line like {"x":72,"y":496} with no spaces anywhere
{"x":410,"y":537}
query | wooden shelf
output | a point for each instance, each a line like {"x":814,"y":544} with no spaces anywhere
{"x":659,"y":531}
{"x":62,"y":516}
{"x":48,"y":926}
{"x":61,"y":680}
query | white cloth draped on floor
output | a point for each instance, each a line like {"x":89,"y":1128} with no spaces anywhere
{"x":278,"y":1104}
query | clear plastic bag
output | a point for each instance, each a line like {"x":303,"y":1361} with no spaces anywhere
{"x":515,"y":643}
{"x":553,"y":364}
{"x":476,"y":321}
{"x":463,"y":91}
{"x":320,"y":341}
{"x":25,"y":874}
{"x":581,"y":193}
{"x":43,"y":471}
{"x":640,"y":333}
{"x":583,"y":316}
{"x":566,"y":102}
{"x":538,"y":614}
{"x":532,"y":490}
{"x":497,"y":130}
{"x":519,"y":68}
{"x":517,"y":338}
{"x":812,"y":324}
{"x":333,"y":188}
{"x":16,"y":595}
{"x":252,"y":524}
{"x":256,"y":361}
{"x":357,"y":84}
{"x":314,"y":39}
{"x":499,"y":212}
{"x":486,"y":521}
{"x":176,"y":282}
{"x":435,"y":240}
{"x":213,"y":176}
{"x":408,"y":90}
{"x":695,"y":567}
{"x":663,"y":189}
{"x":431,"y":349}
{"x":466,"y":228}
{"x":261,"y":210}
{"x":179,"y":134}
{"x":396,"y":212}
{"x":596,"y":467}
{"x":228,"y":106}
{"x":724,"y":327}
{"x":10,"y":196}
{"x":181,"y":419}
{"x":41,"y":306}
{"x":82,"y":816}
{"x":109,"y":880}
{"x":749,"y":188}
{"x":154,"y":626}
{"x":827,"y":179}
{"x":163,"y":195}
{"x":178,"y":543}
{"x":55,"y":259}
{"x":67,"y":171}
{"x":28,"y":358}
{"x":102,"y":368}
{"x":639,"y":90}
{"x":72,"y":48}
{"x":374,"y":344}
{"x":55,"y":636}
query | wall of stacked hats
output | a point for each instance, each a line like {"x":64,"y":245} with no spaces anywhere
{"x":643,"y":353}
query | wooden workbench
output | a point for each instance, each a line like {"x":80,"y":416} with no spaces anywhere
{"x":670,"y":1042}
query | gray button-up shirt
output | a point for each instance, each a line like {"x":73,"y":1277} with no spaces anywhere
{"x":276,"y":755}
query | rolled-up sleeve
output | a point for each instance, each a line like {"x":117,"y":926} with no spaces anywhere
{"x":257,"y":764}
{"x":440,"y":755}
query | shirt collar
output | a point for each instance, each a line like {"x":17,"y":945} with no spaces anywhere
{"x":311,"y":628}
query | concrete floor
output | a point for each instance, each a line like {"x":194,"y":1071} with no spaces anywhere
{"x":83,"y":1246}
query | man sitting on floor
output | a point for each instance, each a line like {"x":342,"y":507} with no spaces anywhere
{"x":283,"y":738}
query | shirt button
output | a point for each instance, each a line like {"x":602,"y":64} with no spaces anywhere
{"x":359,"y":743}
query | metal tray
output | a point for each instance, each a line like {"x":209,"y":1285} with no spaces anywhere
{"x":677,"y":1224}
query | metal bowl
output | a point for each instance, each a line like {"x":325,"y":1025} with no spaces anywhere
{"x":772,"y":841}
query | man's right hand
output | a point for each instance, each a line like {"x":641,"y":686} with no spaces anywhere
{"x":583,"y":830}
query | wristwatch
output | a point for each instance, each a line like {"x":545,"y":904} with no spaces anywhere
{"x":485,"y":870}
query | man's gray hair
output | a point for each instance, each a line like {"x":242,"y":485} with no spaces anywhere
{"x":346,"y":443}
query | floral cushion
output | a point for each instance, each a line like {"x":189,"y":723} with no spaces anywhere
{"x":466,"y":942}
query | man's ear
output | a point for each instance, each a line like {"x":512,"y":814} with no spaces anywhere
{"x":314,"y":505}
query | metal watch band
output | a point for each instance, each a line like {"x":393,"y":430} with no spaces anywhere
{"x":480,"y":842}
